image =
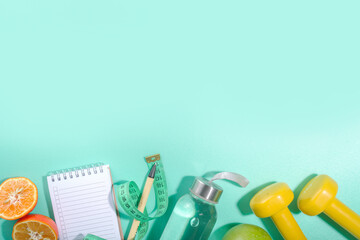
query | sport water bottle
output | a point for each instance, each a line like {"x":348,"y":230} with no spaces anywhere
{"x":194,"y":215}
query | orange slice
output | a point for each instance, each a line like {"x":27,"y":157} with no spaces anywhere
{"x":18,"y":197}
{"x":35,"y":227}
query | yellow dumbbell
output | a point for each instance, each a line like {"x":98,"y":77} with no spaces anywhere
{"x":273,"y":201}
{"x":319,"y":196}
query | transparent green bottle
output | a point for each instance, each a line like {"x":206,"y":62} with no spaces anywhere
{"x":194,"y":215}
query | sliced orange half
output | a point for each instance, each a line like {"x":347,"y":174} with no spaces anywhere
{"x":18,"y":197}
{"x":35,"y":227}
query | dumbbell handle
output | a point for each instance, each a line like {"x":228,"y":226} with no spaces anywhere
{"x":344,"y":216}
{"x":287,"y":225}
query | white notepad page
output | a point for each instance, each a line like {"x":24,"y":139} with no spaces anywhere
{"x":83,"y":203}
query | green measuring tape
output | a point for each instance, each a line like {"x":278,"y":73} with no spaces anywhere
{"x":128,"y":195}
{"x":93,"y":237}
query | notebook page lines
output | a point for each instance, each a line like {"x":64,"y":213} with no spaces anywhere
{"x":85,"y":209}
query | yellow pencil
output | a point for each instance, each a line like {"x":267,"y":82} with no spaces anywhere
{"x":143,"y":200}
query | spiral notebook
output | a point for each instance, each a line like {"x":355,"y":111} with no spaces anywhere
{"x":83,"y":203}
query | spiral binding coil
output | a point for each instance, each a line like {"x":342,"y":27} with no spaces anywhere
{"x":65,"y":174}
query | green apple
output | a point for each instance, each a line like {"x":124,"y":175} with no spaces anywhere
{"x":246,"y":232}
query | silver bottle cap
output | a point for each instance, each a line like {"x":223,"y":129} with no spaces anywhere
{"x":206,"y":190}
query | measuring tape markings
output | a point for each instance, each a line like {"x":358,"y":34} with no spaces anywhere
{"x":129,"y":195}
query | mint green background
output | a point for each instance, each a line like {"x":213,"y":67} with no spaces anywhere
{"x":268,"y":89}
